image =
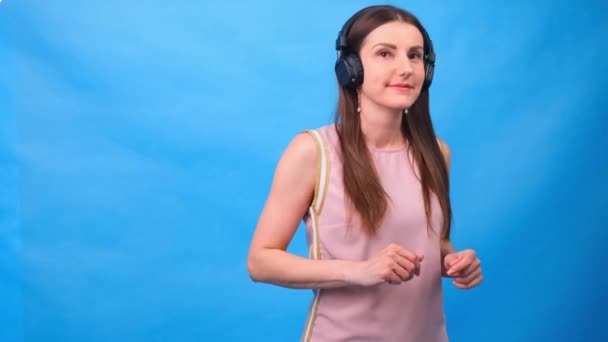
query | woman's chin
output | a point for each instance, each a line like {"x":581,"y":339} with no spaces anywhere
{"x":399,"y":107}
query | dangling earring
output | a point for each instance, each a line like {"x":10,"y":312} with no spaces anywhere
{"x":405,"y":111}
{"x":358,"y":102}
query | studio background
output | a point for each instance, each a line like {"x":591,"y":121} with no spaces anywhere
{"x":138,"y":143}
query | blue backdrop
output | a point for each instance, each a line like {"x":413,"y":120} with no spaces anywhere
{"x":138,"y":143}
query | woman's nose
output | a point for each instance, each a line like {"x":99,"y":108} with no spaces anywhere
{"x":404,"y":66}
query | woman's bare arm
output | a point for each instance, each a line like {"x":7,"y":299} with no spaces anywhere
{"x":290,"y":196}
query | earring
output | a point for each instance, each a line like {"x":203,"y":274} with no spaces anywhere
{"x":405,"y":111}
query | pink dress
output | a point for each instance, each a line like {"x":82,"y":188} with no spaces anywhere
{"x":411,"y":311}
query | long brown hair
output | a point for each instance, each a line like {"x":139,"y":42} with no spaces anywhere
{"x":362,"y":185}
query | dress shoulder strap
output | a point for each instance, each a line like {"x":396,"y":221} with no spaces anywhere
{"x":323,"y":169}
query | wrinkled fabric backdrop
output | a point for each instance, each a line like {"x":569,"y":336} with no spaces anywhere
{"x":139,"y":140}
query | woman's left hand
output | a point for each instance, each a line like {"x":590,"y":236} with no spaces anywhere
{"x":464,"y":267}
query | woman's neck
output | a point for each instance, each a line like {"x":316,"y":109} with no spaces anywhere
{"x":381,"y":127}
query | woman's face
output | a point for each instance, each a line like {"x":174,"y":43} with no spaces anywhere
{"x":393,"y":66}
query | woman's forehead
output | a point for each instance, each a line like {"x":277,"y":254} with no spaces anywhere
{"x":396,"y":33}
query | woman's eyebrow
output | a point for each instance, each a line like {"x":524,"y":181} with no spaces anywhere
{"x":388,"y":45}
{"x":394,"y":47}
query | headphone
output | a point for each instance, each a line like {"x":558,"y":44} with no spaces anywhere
{"x":349,"y":69}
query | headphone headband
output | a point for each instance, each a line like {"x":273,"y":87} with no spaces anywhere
{"x":341,"y":40}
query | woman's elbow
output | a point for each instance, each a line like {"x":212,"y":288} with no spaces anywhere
{"x":253,"y":268}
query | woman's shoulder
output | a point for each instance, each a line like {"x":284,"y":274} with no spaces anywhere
{"x":445,"y":151}
{"x":443,"y":146}
{"x":306,"y":144}
{"x":326,"y":129}
{"x":302,"y":149}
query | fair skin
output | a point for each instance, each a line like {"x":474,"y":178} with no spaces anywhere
{"x":394,"y":72}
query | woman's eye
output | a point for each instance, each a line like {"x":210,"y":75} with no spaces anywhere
{"x":384,"y":53}
{"x":416,"y":55}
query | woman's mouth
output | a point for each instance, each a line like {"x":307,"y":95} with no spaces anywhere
{"x":401,"y":86}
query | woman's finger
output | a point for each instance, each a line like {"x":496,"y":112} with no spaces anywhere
{"x":469,"y":269}
{"x":407,"y":264}
{"x":402,"y":272}
{"x":472,"y":284}
{"x":465,"y":280}
{"x":460,"y":265}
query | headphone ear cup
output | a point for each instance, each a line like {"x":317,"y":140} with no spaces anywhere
{"x":349,"y":71}
{"x":429,"y":69}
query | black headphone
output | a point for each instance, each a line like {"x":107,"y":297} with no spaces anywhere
{"x":349,"y":68}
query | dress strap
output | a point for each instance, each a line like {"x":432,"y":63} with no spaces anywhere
{"x":323,"y":169}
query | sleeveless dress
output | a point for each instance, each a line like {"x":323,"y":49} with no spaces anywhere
{"x":409,"y":312}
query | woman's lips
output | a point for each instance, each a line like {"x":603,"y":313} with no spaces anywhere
{"x":401,"y":86}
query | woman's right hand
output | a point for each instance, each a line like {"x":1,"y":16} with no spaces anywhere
{"x":394,"y":265}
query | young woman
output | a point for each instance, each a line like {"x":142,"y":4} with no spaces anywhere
{"x":373,"y":189}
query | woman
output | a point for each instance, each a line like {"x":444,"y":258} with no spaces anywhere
{"x":373,"y":189}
